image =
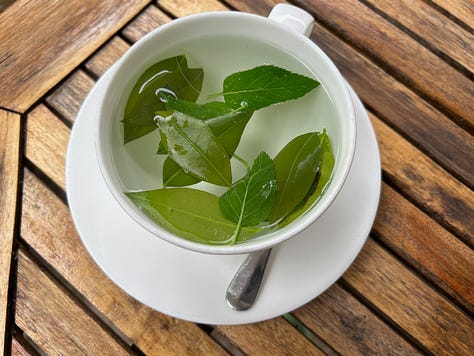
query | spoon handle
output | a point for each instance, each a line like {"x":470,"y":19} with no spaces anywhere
{"x":244,"y":287}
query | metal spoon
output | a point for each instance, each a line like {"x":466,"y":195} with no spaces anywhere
{"x":243,"y":288}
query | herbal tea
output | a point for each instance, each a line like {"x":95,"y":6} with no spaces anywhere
{"x":177,"y":112}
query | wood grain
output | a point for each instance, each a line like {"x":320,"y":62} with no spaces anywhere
{"x":68,"y":98}
{"x":9,"y":165}
{"x":401,"y":54}
{"x":427,"y":246}
{"x":397,"y":104}
{"x":32,"y":62}
{"x":17,"y":349}
{"x":271,"y":337}
{"x":180,"y":8}
{"x":462,"y":9}
{"x":403,"y":109}
{"x":146,"y":22}
{"x":52,"y":320}
{"x":46,"y":143}
{"x":47,"y":227}
{"x":399,"y":294}
{"x":349,"y":327}
{"x":427,"y":23}
{"x":106,"y":56}
{"x":447,"y":200}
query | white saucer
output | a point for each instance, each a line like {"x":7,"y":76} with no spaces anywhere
{"x":190,"y":285}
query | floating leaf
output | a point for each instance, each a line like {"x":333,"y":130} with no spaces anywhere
{"x":193,"y":146}
{"x":174,"y":175}
{"x":250,"y":200}
{"x":189,"y":213}
{"x":296,"y":166}
{"x":199,"y":111}
{"x":161,"y":149}
{"x":226,"y":124}
{"x":170,"y":75}
{"x":229,"y":128}
{"x":263,"y":86}
{"x":322,"y":180}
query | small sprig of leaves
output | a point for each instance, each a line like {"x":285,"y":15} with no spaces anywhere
{"x":200,"y":140}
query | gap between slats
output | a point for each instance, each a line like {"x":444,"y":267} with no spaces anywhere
{"x":389,"y":68}
{"x":28,"y":260}
{"x":453,"y":62}
{"x":458,"y":18}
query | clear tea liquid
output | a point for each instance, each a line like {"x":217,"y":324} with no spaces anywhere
{"x":269,"y":129}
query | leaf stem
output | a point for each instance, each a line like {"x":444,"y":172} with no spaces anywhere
{"x":215,"y":95}
{"x":243,"y":161}
{"x":236,"y":233}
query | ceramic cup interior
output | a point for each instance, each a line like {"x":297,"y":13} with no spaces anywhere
{"x":223,"y":43}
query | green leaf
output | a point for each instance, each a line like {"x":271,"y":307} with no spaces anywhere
{"x":189,"y":213}
{"x":226,"y":124}
{"x":170,"y":75}
{"x":296,"y":166}
{"x":174,"y":175}
{"x":322,"y":180}
{"x":161,"y":149}
{"x":249,"y":201}
{"x":263,"y":86}
{"x":229,"y":128}
{"x":193,"y":146}
{"x":202,"y":112}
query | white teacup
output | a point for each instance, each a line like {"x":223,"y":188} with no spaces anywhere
{"x":223,"y":43}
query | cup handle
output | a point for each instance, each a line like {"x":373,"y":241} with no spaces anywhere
{"x":293,"y":17}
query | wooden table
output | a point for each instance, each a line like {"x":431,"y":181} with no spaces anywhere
{"x":410,"y":290}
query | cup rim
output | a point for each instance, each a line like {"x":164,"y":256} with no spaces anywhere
{"x":268,"y":240}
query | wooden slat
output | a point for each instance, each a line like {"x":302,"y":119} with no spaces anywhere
{"x":404,"y":55}
{"x":150,"y":19}
{"x":9,"y":156}
{"x":425,"y":182}
{"x":462,"y":9}
{"x":262,"y":8}
{"x":271,"y":337}
{"x":67,"y":99}
{"x":106,"y":56}
{"x":17,"y":349}
{"x":53,"y":321}
{"x":428,"y":317}
{"x":47,"y":227}
{"x":427,"y":23}
{"x":146,"y":22}
{"x":65,"y":33}
{"x":5,"y":3}
{"x":349,"y":327}
{"x":402,"y":108}
{"x":180,"y":8}
{"x":431,"y":130}
{"x":427,"y":246}
{"x":46,"y":143}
